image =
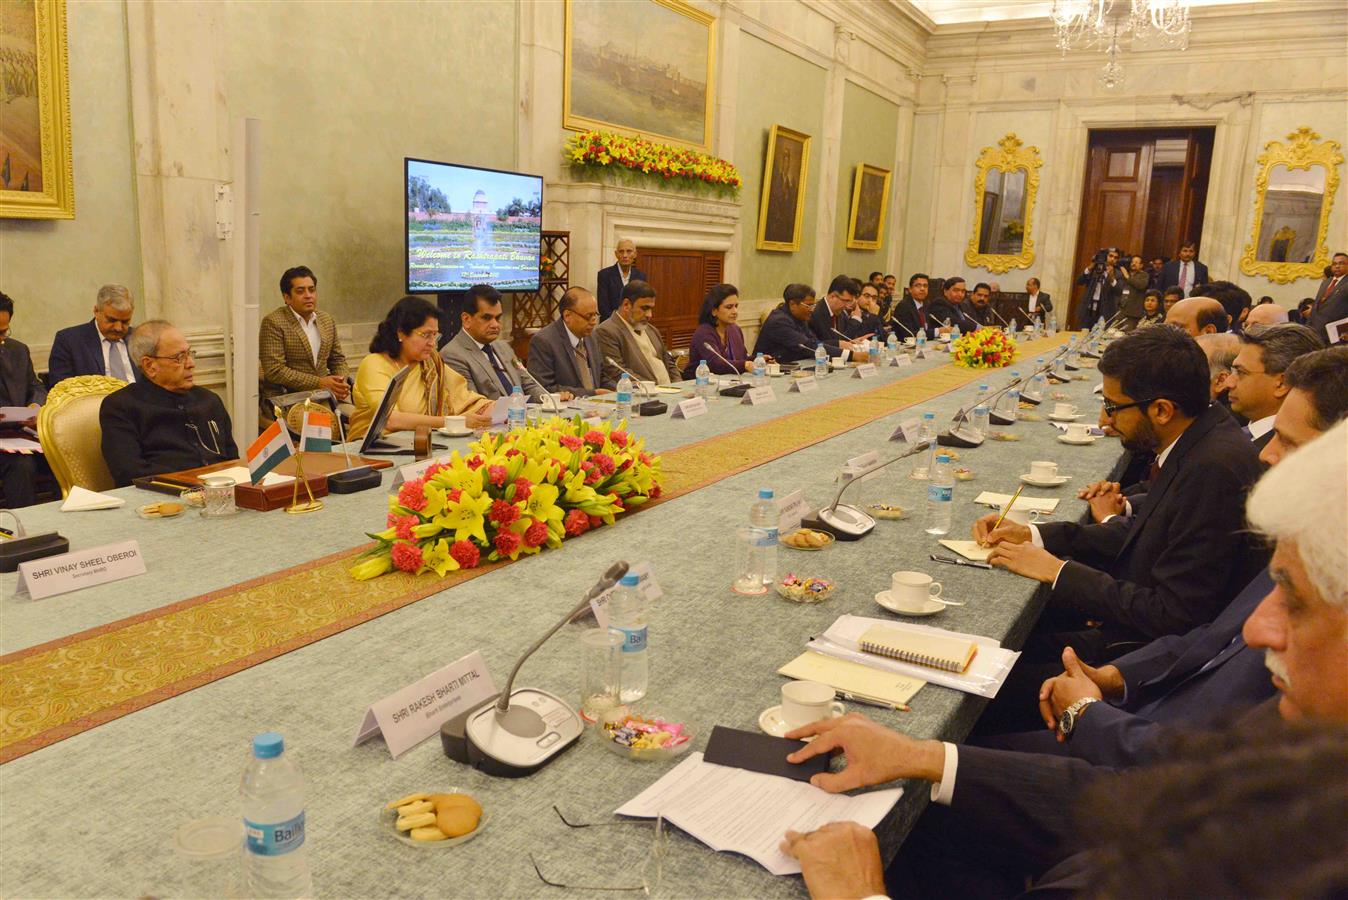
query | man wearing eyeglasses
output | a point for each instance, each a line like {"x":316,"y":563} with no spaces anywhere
{"x":786,"y":335}
{"x":163,"y":422}
{"x":565,"y":356}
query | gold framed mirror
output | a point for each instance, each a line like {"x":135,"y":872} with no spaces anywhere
{"x":1293,"y":195}
{"x":1004,"y":192}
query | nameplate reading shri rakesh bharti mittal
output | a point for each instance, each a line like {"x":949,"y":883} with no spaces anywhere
{"x":409,"y":716}
{"x":42,"y":578}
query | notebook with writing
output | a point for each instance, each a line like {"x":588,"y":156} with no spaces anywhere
{"x":949,"y":653}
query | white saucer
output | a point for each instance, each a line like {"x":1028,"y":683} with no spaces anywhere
{"x":930,"y":608}
{"x":1057,"y":418}
{"x":1075,"y":442}
{"x":1048,"y":482}
{"x":447,"y":433}
{"x":770,"y":720}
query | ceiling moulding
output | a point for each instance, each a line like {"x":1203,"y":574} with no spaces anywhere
{"x":881,"y":26}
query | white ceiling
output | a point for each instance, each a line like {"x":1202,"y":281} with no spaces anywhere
{"x":949,"y":12}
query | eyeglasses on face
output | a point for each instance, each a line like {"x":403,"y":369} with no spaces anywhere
{"x":1113,"y":409}
{"x":179,"y":358}
{"x":592,"y":317}
{"x":427,"y":335}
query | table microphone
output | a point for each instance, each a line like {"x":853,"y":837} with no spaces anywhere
{"x":994,"y":416}
{"x":739,"y":388}
{"x":524,"y":371}
{"x":354,"y":478}
{"x":1005,"y":324}
{"x":848,"y":523}
{"x":651,"y":407}
{"x":712,"y":350}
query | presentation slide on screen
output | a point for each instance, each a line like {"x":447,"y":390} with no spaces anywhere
{"x":470,"y":226}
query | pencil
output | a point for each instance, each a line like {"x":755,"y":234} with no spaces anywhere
{"x":1006,"y":509}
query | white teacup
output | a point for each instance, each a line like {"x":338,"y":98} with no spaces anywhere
{"x":1043,"y":470}
{"x":910,"y":340}
{"x":1079,"y":431}
{"x":1063,"y":410}
{"x":912,"y":590}
{"x":649,"y":386}
{"x":456,"y":424}
{"x":774,"y":369}
{"x":804,"y":702}
{"x":1024,"y":516}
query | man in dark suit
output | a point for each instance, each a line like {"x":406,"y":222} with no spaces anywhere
{"x":910,"y":313}
{"x":1331,"y":298}
{"x":564,"y":355}
{"x":946,"y":308}
{"x":1039,"y":304}
{"x":785,"y":334}
{"x":97,"y":347}
{"x":830,"y":317}
{"x":1186,"y":272}
{"x":1256,"y":386}
{"x":611,"y":281}
{"x":1104,"y":283}
{"x":977,"y":309}
{"x":19,"y":386}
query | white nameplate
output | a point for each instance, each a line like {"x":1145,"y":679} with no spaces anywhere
{"x":686,"y":409}
{"x":791,"y":510}
{"x":865,"y":462}
{"x":865,"y":370}
{"x":804,"y":385}
{"x":901,"y":359}
{"x":409,"y":716}
{"x":907,"y":432}
{"x":920,"y":353}
{"x":759,"y":395}
{"x":413,"y":471}
{"x":647,"y":587}
{"x":42,"y":578}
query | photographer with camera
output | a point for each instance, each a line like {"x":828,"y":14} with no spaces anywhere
{"x":1104,"y":284}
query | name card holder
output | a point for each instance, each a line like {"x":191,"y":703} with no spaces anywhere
{"x":759,"y":395}
{"x":865,"y":370}
{"x":53,"y":575}
{"x":413,"y":471}
{"x":803,"y":385}
{"x":687,"y":409}
{"x":901,"y":359}
{"x":409,"y":716}
{"x":647,"y":587}
{"x":791,"y":510}
{"x":908,"y":431}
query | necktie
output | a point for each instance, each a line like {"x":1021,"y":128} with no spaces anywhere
{"x":1184,"y":277}
{"x":1329,"y":289}
{"x":583,"y":363}
{"x":1248,"y":433}
{"x":1154,"y":470}
{"x":506,"y":384}
{"x":116,"y":368}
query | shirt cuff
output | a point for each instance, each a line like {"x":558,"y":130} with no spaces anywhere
{"x":1127,"y":509}
{"x":1057,"y":575}
{"x":1035,"y":537}
{"x":943,"y":791}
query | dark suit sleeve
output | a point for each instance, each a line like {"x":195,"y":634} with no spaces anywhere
{"x":607,"y":292}
{"x":1096,"y":542}
{"x":610,"y":347}
{"x":228,"y":448}
{"x":121,"y":441}
{"x":61,"y":360}
{"x":1108,"y":736}
{"x":36,"y":390}
{"x":543,"y":366}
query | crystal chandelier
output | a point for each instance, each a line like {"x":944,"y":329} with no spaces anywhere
{"x":1108,"y":24}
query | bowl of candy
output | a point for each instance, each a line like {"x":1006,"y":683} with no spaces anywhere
{"x":800,"y":589}
{"x":642,"y":735}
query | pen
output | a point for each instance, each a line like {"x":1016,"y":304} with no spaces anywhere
{"x":950,"y":560}
{"x":873,"y":701}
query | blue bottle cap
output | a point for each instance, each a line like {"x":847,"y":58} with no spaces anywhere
{"x":631,"y":579}
{"x":943,"y":458}
{"x":765,"y":493}
{"x":268,"y":745}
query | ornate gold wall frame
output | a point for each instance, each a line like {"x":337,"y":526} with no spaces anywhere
{"x":1304,"y":152}
{"x":1002,"y":237}
{"x":36,"y":172}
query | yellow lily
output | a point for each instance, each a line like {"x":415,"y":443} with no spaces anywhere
{"x":466,"y":517}
{"x":436,"y":558}
{"x":371,"y":567}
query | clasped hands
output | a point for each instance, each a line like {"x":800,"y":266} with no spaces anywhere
{"x":1013,"y":549}
{"x":1078,"y":680}
{"x":1105,"y":498}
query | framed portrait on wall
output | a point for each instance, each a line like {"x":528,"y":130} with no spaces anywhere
{"x":782,"y":208}
{"x":643,"y":67}
{"x":870,"y":205}
{"x":36,"y":176}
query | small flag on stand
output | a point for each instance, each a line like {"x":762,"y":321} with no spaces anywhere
{"x":316,"y":435}
{"x":269,"y":450}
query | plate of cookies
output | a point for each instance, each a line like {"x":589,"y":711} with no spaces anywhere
{"x":806,"y":539}
{"x":164,"y":510}
{"x":434,"y":820}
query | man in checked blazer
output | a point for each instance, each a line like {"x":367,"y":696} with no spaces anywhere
{"x":298,"y":345}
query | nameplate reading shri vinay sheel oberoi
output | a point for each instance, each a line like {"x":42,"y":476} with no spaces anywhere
{"x":409,"y":716}
{"x":52,"y":575}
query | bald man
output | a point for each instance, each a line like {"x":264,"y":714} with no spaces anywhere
{"x":1198,"y":315}
{"x":1266,"y":314}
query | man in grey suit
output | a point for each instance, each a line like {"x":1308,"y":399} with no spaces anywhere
{"x":1331,"y":299}
{"x":565,"y":356}
{"x":478,"y":354}
{"x":629,"y":337}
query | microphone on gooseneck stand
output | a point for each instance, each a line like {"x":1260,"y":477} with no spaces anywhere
{"x":992,"y":309}
{"x":649,"y":407}
{"x":847,"y":522}
{"x":739,"y":388}
{"x":524,"y":372}
{"x":353,"y":478}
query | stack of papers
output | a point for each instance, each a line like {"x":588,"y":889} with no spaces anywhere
{"x":19,"y":444}
{"x":241,"y":475}
{"x":83,"y":499}
{"x":853,"y":678}
{"x":971,"y":550}
{"x":739,"y":811}
{"x":997,"y":501}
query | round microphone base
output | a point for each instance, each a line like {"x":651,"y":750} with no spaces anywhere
{"x":354,"y":480}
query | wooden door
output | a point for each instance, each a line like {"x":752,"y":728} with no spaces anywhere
{"x":681,"y":279}
{"x":1114,"y":207}
{"x":1165,"y":218}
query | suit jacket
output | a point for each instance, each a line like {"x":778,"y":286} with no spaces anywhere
{"x":553,"y":361}
{"x":1183,"y":554}
{"x":979,"y":317}
{"x":1043,"y":305}
{"x":617,"y":341}
{"x":787,"y":339}
{"x":1171,"y":271}
{"x":148,"y":430}
{"x":822,"y":324}
{"x":19,"y":384}
{"x":465,"y":355}
{"x":1331,"y":308}
{"x":609,"y":288}
{"x":906,"y":314}
{"x":78,"y":350}
{"x":943,"y":310}
{"x":1132,"y":291}
{"x":287,"y":359}
{"x":1108,"y":304}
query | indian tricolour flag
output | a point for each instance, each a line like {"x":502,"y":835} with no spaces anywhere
{"x":267,"y":452}
{"x":316,"y":435}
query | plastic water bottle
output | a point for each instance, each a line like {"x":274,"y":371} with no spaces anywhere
{"x":922,"y":466}
{"x":1009,"y":405}
{"x":940,"y":496}
{"x":820,"y":361}
{"x":920,"y":342}
{"x":763,"y":519}
{"x":517,"y":412}
{"x":954,"y":334}
{"x":273,"y":821}
{"x":627,"y":617}
{"x":1052,"y":323}
{"x":1038,"y":381}
{"x":980,"y":419}
{"x":760,"y":370}
{"x":702,"y":380}
{"x":623,"y":408}
{"x":892,"y":346}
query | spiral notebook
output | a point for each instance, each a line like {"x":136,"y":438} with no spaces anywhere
{"x":949,"y":653}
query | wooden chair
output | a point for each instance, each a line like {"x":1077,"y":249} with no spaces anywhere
{"x":71,"y":437}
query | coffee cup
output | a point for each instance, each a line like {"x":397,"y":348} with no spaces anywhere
{"x":804,"y":702}
{"x":1079,"y":431}
{"x":774,"y":369}
{"x":1063,"y":410}
{"x":910,"y":340}
{"x":456,"y":424}
{"x":912,"y":590}
{"x":649,"y":386}
{"x":1020,"y":516}
{"x":1043,"y":470}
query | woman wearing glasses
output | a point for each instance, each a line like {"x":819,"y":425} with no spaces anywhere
{"x":408,"y":337}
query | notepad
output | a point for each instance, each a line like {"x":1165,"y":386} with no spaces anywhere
{"x":968,"y":549}
{"x":997,"y":501}
{"x":949,"y":653}
{"x":852,"y":677}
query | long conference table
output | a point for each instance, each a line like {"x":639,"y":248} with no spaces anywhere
{"x":90,"y":803}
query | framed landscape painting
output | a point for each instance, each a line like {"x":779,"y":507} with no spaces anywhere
{"x":782,"y":208}
{"x":36,"y":177}
{"x":870,"y":203}
{"x":642,"y":67}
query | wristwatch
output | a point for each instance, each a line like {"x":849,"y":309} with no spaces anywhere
{"x":1070,"y":716}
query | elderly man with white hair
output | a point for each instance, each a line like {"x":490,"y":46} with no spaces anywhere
{"x":98,"y":347}
{"x":1220,"y":348}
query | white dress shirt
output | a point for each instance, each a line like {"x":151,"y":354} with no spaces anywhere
{"x":118,"y":347}
{"x":310,"y":328}
{"x":1260,"y":427}
{"x":1033,"y":302}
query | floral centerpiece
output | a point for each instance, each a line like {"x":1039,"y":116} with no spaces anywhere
{"x":986,"y":348}
{"x":677,"y":166}
{"x":512,"y":494}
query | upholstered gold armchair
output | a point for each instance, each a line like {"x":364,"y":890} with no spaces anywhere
{"x":72,"y":439}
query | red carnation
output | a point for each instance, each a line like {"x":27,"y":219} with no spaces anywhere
{"x":596,"y":521}
{"x":406,"y":557}
{"x":655,"y":491}
{"x":576,"y":523}
{"x":465,"y":553}
{"x":513,"y":451}
{"x":403,"y":527}
{"x":627,"y":464}
{"x":594,"y":476}
{"x":391,"y":520}
{"x":523,"y":488}
{"x":434,"y":468}
{"x":571,"y":442}
{"x":536,"y":534}
{"x":594,"y":438}
{"x":412,"y":496}
{"x":603,"y":462}
{"x":507,"y":542}
{"x":475,"y":462}
{"x":645,"y":457}
{"x":496,"y":475}
{"x":454,"y":496}
{"x":619,"y":438}
{"x":503,"y":513}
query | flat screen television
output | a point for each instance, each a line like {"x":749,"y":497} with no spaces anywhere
{"x":467,"y":226}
